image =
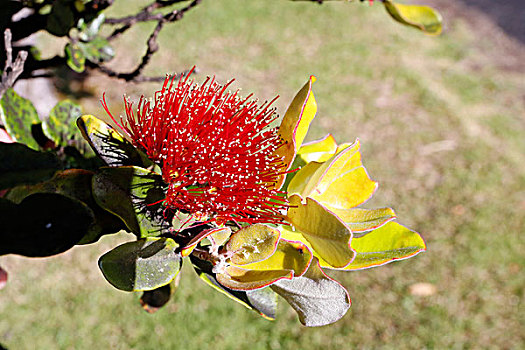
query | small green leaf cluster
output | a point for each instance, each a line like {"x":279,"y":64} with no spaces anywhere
{"x":45,"y":181}
{"x":88,"y":45}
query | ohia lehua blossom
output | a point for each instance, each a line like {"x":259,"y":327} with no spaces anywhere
{"x":204,"y":173}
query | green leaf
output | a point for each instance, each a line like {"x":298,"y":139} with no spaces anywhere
{"x":142,"y":265}
{"x":75,"y":184}
{"x":110,"y":145}
{"x":75,"y":58}
{"x":134,"y":195}
{"x":43,"y":224}
{"x":22,"y":165}
{"x":385,"y":244}
{"x":252,"y":243}
{"x":61,"y":126}
{"x":262,"y":300}
{"x":97,"y":50}
{"x":18,"y":116}
{"x":328,"y":235}
{"x":61,"y":19}
{"x":421,"y":17}
{"x":317,"y":299}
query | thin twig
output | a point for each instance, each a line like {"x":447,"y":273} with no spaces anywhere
{"x":152,"y":45}
{"x":145,"y":15}
{"x":11,"y":70}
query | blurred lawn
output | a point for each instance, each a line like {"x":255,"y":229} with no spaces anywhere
{"x":442,"y":130}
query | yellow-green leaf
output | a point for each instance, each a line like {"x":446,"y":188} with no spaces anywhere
{"x":319,"y":150}
{"x":385,"y":244}
{"x":303,"y":182}
{"x":340,"y":182}
{"x":295,"y":236}
{"x":296,"y":122}
{"x":253,"y":243}
{"x":237,"y":278}
{"x":109,"y":144}
{"x":328,"y":235}
{"x":294,"y":256}
{"x":424,"y":18}
{"x":220,"y":237}
{"x":360,"y":220}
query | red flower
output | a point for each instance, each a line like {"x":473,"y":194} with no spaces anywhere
{"x":216,"y":150}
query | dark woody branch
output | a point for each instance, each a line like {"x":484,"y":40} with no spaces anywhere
{"x":152,"y":45}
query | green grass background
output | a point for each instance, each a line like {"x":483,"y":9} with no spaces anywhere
{"x":442,"y":130}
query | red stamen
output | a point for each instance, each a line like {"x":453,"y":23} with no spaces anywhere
{"x":215,"y":149}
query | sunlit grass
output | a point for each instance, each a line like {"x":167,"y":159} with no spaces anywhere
{"x":441,"y":131}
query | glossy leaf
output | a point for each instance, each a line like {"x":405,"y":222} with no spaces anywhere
{"x":424,"y":18}
{"x":237,"y":278}
{"x":75,"y":58}
{"x":340,"y":182}
{"x":293,"y":256}
{"x":109,"y":144}
{"x":252,"y":243}
{"x":289,"y":235}
{"x":361,"y":220}
{"x":21,"y":165}
{"x":328,"y":235}
{"x":296,"y":122}
{"x":133,"y":194}
{"x":141,"y":265}
{"x":304,"y":181}
{"x":319,"y":150}
{"x":43,"y":224}
{"x":317,"y":299}
{"x":18,"y":116}
{"x":76,"y":184}
{"x":385,"y":244}
{"x":262,"y":300}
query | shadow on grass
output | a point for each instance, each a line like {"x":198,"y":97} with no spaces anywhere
{"x":509,"y":15}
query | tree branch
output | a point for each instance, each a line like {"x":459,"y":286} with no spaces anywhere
{"x":11,"y":70}
{"x":152,"y":45}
